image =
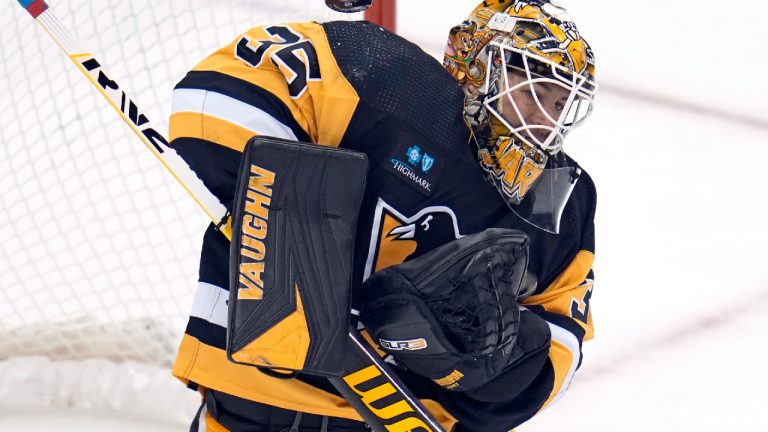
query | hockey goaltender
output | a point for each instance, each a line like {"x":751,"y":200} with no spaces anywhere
{"x":476,"y":289}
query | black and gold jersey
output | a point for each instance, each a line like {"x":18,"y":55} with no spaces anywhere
{"x":355,"y":85}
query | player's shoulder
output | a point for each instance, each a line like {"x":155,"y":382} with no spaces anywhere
{"x":373,"y":59}
{"x":399,"y":85}
{"x":580,"y":210}
{"x":585,"y":185}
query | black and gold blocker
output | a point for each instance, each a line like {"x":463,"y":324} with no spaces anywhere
{"x":293,"y":233}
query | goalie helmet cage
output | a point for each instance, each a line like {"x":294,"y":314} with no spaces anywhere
{"x":99,"y":246}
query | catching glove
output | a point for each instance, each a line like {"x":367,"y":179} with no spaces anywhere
{"x":451,"y":315}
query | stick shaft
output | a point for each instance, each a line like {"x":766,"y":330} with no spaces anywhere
{"x":378,"y":395}
{"x":128,"y":110}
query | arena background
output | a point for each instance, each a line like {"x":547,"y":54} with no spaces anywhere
{"x":677,"y":147}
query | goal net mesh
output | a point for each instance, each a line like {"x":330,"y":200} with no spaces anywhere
{"x":99,"y":246}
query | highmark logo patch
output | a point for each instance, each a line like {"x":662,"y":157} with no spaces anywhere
{"x":419,"y":169}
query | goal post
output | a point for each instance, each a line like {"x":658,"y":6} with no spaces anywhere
{"x":99,"y":247}
{"x":384,"y":13}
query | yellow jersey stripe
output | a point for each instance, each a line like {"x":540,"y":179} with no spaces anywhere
{"x":571,"y":286}
{"x":564,"y":352}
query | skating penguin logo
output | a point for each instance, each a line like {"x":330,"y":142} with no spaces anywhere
{"x":396,"y":237}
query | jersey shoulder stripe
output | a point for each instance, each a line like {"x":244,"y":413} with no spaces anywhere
{"x":293,"y":63}
{"x":210,"y":304}
{"x":227,"y":93}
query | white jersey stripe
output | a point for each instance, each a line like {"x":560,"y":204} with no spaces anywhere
{"x":201,"y":426}
{"x":210,"y":304}
{"x":229,"y":109}
{"x":569,"y":341}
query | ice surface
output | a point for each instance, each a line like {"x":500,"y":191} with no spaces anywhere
{"x":680,"y":289}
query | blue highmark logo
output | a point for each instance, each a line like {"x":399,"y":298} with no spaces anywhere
{"x":415,"y":156}
{"x":427,"y":162}
{"x":416,"y":165}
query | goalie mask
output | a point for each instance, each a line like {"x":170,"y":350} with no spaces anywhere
{"x":528,"y":79}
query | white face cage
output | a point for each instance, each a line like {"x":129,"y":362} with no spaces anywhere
{"x":575,"y":110}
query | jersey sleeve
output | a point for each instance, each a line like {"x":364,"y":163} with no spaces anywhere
{"x":565,"y":306}
{"x":555,"y":322}
{"x":280,"y":81}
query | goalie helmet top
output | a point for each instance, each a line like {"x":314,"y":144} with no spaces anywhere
{"x":528,"y":78}
{"x":348,"y":6}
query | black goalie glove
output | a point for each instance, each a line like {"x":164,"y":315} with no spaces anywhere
{"x":451,"y":315}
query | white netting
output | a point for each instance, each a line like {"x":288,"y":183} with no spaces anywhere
{"x":98,"y":246}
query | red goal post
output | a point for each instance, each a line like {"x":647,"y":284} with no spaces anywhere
{"x":383,"y":13}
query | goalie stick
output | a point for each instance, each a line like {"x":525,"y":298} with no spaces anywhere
{"x":371,"y":388}
{"x":127,"y":109}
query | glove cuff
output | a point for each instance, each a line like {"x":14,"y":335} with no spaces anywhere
{"x":514,"y":380}
{"x":531,"y":356}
